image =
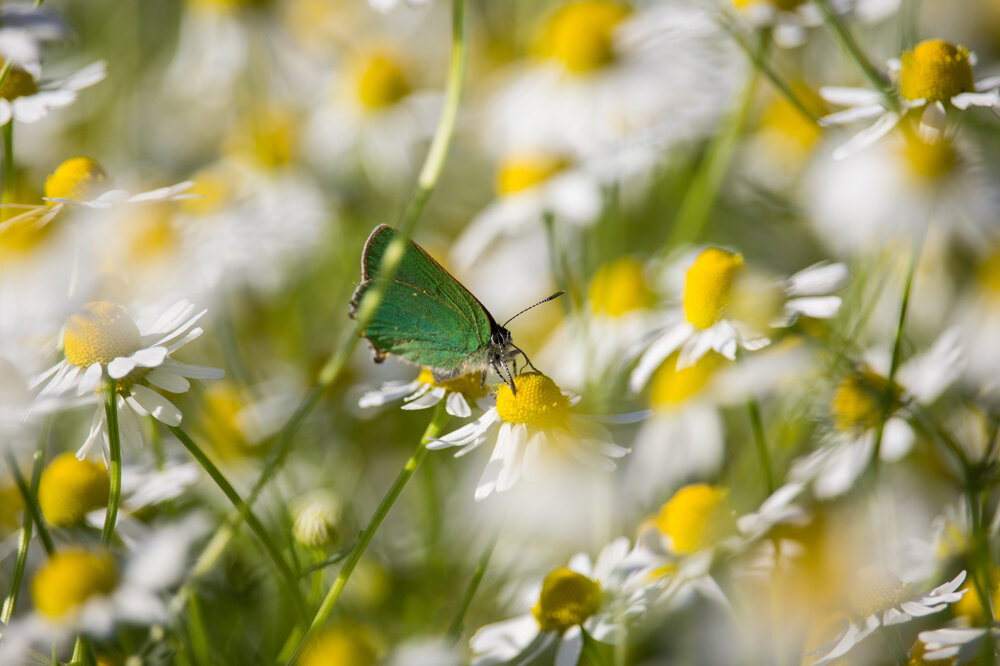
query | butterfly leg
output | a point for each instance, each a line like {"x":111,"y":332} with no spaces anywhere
{"x":526,"y":359}
{"x":502,"y":359}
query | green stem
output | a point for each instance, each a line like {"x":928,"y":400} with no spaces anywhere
{"x":897,"y":350}
{"x":291,"y":580}
{"x":458,"y":622}
{"x":850,"y":46}
{"x":319,"y":621}
{"x":114,"y":462}
{"x":83,"y":653}
{"x":429,"y":176}
{"x":23,"y":543}
{"x":8,"y":151}
{"x":707,"y":181}
{"x":757,"y":424}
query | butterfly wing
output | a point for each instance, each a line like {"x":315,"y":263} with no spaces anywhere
{"x":427,"y":316}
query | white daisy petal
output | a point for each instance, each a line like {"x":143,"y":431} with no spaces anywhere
{"x":867,"y":137}
{"x":456,"y":405}
{"x":158,"y":407}
{"x":844,"y":96}
{"x":570,"y":647}
{"x":168,"y":381}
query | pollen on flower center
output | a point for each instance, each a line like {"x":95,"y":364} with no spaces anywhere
{"x":78,"y":178}
{"x":521,"y":171}
{"x":670,"y":386}
{"x":859,"y":402}
{"x":99,"y":333}
{"x":875,"y":590}
{"x":381,"y":82}
{"x":696,"y":517}
{"x":538,"y":402}
{"x":708,"y":285}
{"x":469,"y":385}
{"x":619,"y":287}
{"x":19,"y":83}
{"x":567,"y":599}
{"x":935,"y":70}
{"x":69,"y":489}
{"x":580,"y":34}
{"x":69,"y":578}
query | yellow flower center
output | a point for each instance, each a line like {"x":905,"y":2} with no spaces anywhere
{"x":708,"y":286}
{"x":100,"y":332}
{"x":220,"y":423}
{"x":619,"y":287}
{"x":989,"y":274}
{"x":78,"y":178}
{"x":696,"y":517}
{"x":152,"y":234}
{"x":341,"y":647}
{"x":932,"y":160}
{"x":381,"y":82}
{"x":69,"y":578}
{"x":794,"y":133}
{"x":875,"y":590}
{"x":69,"y":489}
{"x":18,"y":83}
{"x":469,"y":385}
{"x":970,"y":605}
{"x":521,"y":171}
{"x":859,"y":403}
{"x":213,"y":190}
{"x":580,"y":35}
{"x":670,"y":386}
{"x":935,"y":70}
{"x":268,"y":137}
{"x":538,"y":402}
{"x":567,"y":599}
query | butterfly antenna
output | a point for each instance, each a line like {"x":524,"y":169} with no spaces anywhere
{"x":544,"y":300}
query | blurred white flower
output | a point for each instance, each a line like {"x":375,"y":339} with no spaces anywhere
{"x":388,"y":5}
{"x":934,"y":76}
{"x":23,"y":26}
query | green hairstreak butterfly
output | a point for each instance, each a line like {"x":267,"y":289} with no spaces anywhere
{"x":429,"y":318}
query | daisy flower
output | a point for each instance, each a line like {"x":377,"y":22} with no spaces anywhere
{"x":880,"y":599}
{"x":530,"y":184}
{"x":725,"y":308}
{"x":858,"y":405}
{"x":955,"y":645}
{"x":935,"y":76}
{"x":536,"y":421}
{"x":81,"y":590}
{"x":102,"y":342}
{"x":594,"y":599}
{"x":424,"y":392}
{"x":27,"y":101}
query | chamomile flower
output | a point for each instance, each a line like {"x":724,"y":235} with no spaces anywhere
{"x":725,"y":307}
{"x":102,"y":342}
{"x":70,"y":488}
{"x":530,"y":184}
{"x":27,"y":100}
{"x":879,"y":599}
{"x":859,"y":403}
{"x":594,"y":598}
{"x":932,"y":78}
{"x":424,"y":392}
{"x":535,"y":423}
{"x":81,"y":590}
{"x":616,"y":82}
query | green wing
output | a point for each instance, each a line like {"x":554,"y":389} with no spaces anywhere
{"x":427,"y":316}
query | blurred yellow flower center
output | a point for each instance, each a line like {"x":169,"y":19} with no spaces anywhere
{"x":859,"y":403}
{"x":151,"y":232}
{"x":708,"y":286}
{"x":935,"y":70}
{"x":567,"y":599}
{"x":783,"y":5}
{"x":221,"y":422}
{"x":268,"y":137}
{"x":18,"y":83}
{"x":696,"y":517}
{"x":619,"y":287}
{"x":518,"y":172}
{"x":538,"y":402}
{"x":69,"y":578}
{"x":213,"y":190}
{"x":989,"y":274}
{"x":381,"y":82}
{"x":340,"y":647}
{"x":930,"y":160}
{"x":469,"y":385}
{"x":580,"y":34}
{"x":670,"y":386}
{"x":874,"y":590}
{"x":793,"y":133}
{"x":69,"y":489}
{"x":78,"y":178}
{"x":100,"y":332}
{"x":970,"y":604}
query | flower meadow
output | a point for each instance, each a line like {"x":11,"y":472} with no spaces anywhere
{"x":442,"y":332}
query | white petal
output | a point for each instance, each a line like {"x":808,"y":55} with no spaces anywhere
{"x":817,"y":307}
{"x":121,"y":366}
{"x":570,"y":647}
{"x":663,"y":347}
{"x":867,"y":137}
{"x":168,"y":381}
{"x":844,"y":96}
{"x":853,"y":114}
{"x":150,"y":357}
{"x":427,"y":399}
{"x":456,"y":405}
{"x":389,"y":392}
{"x":897,"y":440}
{"x":987,"y":99}
{"x":91,"y":379}
{"x":159,"y":407}
{"x":933,"y":121}
{"x":817,"y":280}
